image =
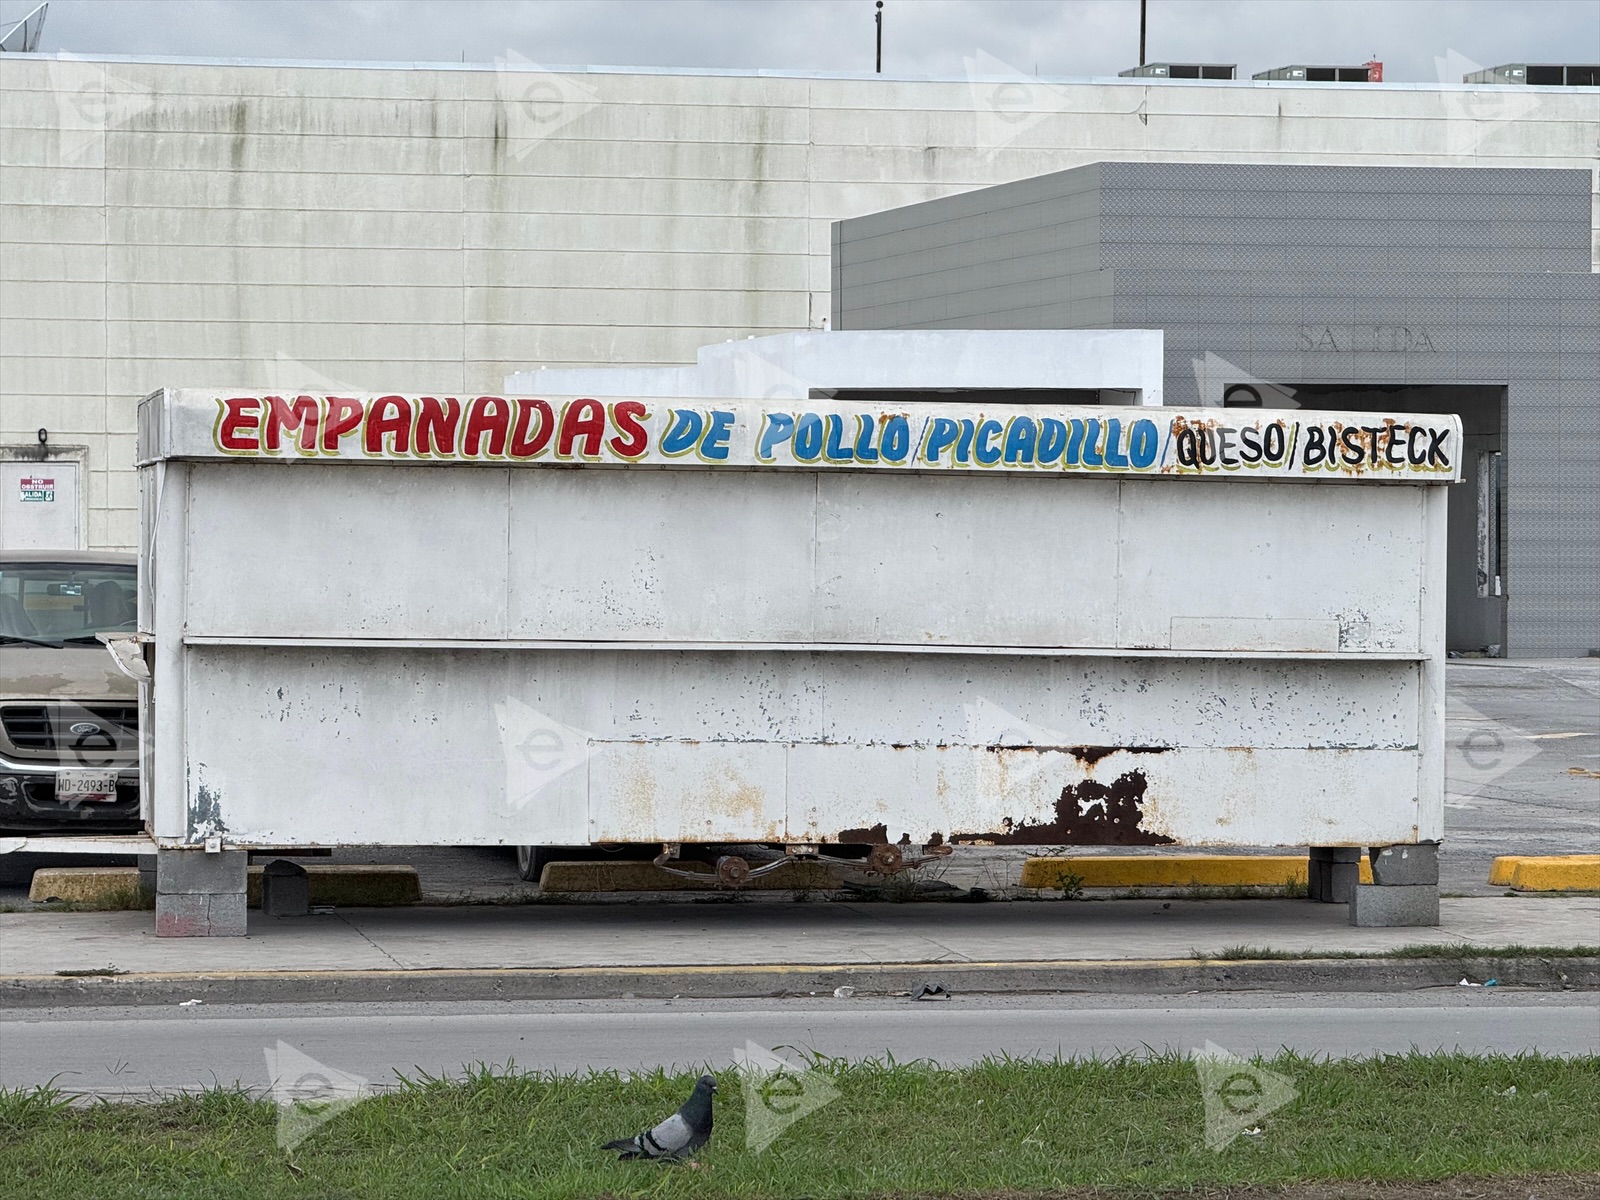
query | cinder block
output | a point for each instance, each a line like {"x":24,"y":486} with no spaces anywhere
{"x":1406,"y":865}
{"x":219,"y":915}
{"x":196,"y":873}
{"x":183,"y":916}
{"x":285,"y":890}
{"x":1335,"y":854}
{"x":1332,"y":873}
{"x":1376,"y":906}
{"x":227,"y":915}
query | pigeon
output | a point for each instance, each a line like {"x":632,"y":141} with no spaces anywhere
{"x":684,"y":1132}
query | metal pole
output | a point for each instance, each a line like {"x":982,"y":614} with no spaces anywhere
{"x":1143,"y":14}
{"x":878,"y":17}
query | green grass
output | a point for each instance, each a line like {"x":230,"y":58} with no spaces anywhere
{"x":893,"y":1130}
{"x":92,"y":972}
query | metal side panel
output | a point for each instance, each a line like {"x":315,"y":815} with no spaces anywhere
{"x":383,"y":551}
{"x":970,"y":561}
{"x":328,"y":747}
{"x":687,"y":792}
{"x":165,"y":795}
{"x":693,"y":556}
{"x":1080,"y":701}
{"x":1431,"y":673}
{"x":743,"y":556}
{"x":1310,"y":568}
{"x":312,"y":746}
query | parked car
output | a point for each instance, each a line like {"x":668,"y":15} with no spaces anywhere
{"x":69,"y":720}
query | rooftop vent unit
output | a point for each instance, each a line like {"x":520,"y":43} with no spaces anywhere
{"x":1183,"y":71}
{"x":1370,"y":72}
{"x":1539,"y":74}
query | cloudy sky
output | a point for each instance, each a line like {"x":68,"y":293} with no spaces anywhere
{"x":922,"y":37}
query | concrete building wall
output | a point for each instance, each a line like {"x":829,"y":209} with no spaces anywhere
{"x":437,"y":227}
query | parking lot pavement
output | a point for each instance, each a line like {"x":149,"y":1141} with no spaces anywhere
{"x":1521,"y":734}
{"x":1523,"y":773}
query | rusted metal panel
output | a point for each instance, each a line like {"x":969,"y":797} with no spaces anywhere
{"x":318,"y":746}
{"x":1151,"y":796}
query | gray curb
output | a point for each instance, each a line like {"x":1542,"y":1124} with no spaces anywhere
{"x":607,"y":983}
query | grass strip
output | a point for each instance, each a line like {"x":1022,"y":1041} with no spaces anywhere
{"x":1001,"y":1128}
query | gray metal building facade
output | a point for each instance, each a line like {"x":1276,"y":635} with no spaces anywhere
{"x":1466,"y":290}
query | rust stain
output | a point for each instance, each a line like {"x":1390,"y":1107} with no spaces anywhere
{"x":1089,"y":813}
{"x":1087,"y":755}
{"x":876,"y":835}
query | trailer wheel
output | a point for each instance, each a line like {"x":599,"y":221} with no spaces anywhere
{"x":531,"y":861}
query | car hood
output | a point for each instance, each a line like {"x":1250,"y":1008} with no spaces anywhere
{"x":64,"y":673}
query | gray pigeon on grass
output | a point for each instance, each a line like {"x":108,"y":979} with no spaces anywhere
{"x":681,"y":1134}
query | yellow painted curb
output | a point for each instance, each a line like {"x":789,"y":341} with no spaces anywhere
{"x":634,"y":876}
{"x":1556,"y":873}
{"x":1149,"y":870}
{"x":112,"y":887}
{"x":348,"y":885}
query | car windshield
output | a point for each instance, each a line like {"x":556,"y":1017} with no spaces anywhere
{"x":58,"y":601}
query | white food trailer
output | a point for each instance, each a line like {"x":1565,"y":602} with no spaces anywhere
{"x":799,"y":621}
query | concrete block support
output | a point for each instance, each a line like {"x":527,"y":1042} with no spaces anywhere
{"x":285,"y":890}
{"x":1374,"y":905}
{"x":1332,"y":873}
{"x":1406,"y":865}
{"x":200,"y":894}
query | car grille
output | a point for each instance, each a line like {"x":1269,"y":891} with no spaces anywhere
{"x":29,"y":728}
{"x":45,"y":728}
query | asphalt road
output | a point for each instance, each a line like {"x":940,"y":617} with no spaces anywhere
{"x":129,"y":1052}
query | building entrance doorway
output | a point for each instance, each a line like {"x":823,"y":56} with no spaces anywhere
{"x":1476,"y":585}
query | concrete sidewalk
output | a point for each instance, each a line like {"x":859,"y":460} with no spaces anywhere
{"x":562,"y":936}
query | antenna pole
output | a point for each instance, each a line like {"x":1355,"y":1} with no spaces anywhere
{"x":1143,"y":17}
{"x":878,"y":18}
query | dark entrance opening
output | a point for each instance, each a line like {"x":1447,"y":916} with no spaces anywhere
{"x":1475,"y":585}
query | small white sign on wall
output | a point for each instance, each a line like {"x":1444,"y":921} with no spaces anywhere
{"x":39,"y":506}
{"x":37,"y":489}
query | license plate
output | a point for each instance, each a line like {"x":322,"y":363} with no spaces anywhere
{"x":86,"y":785}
